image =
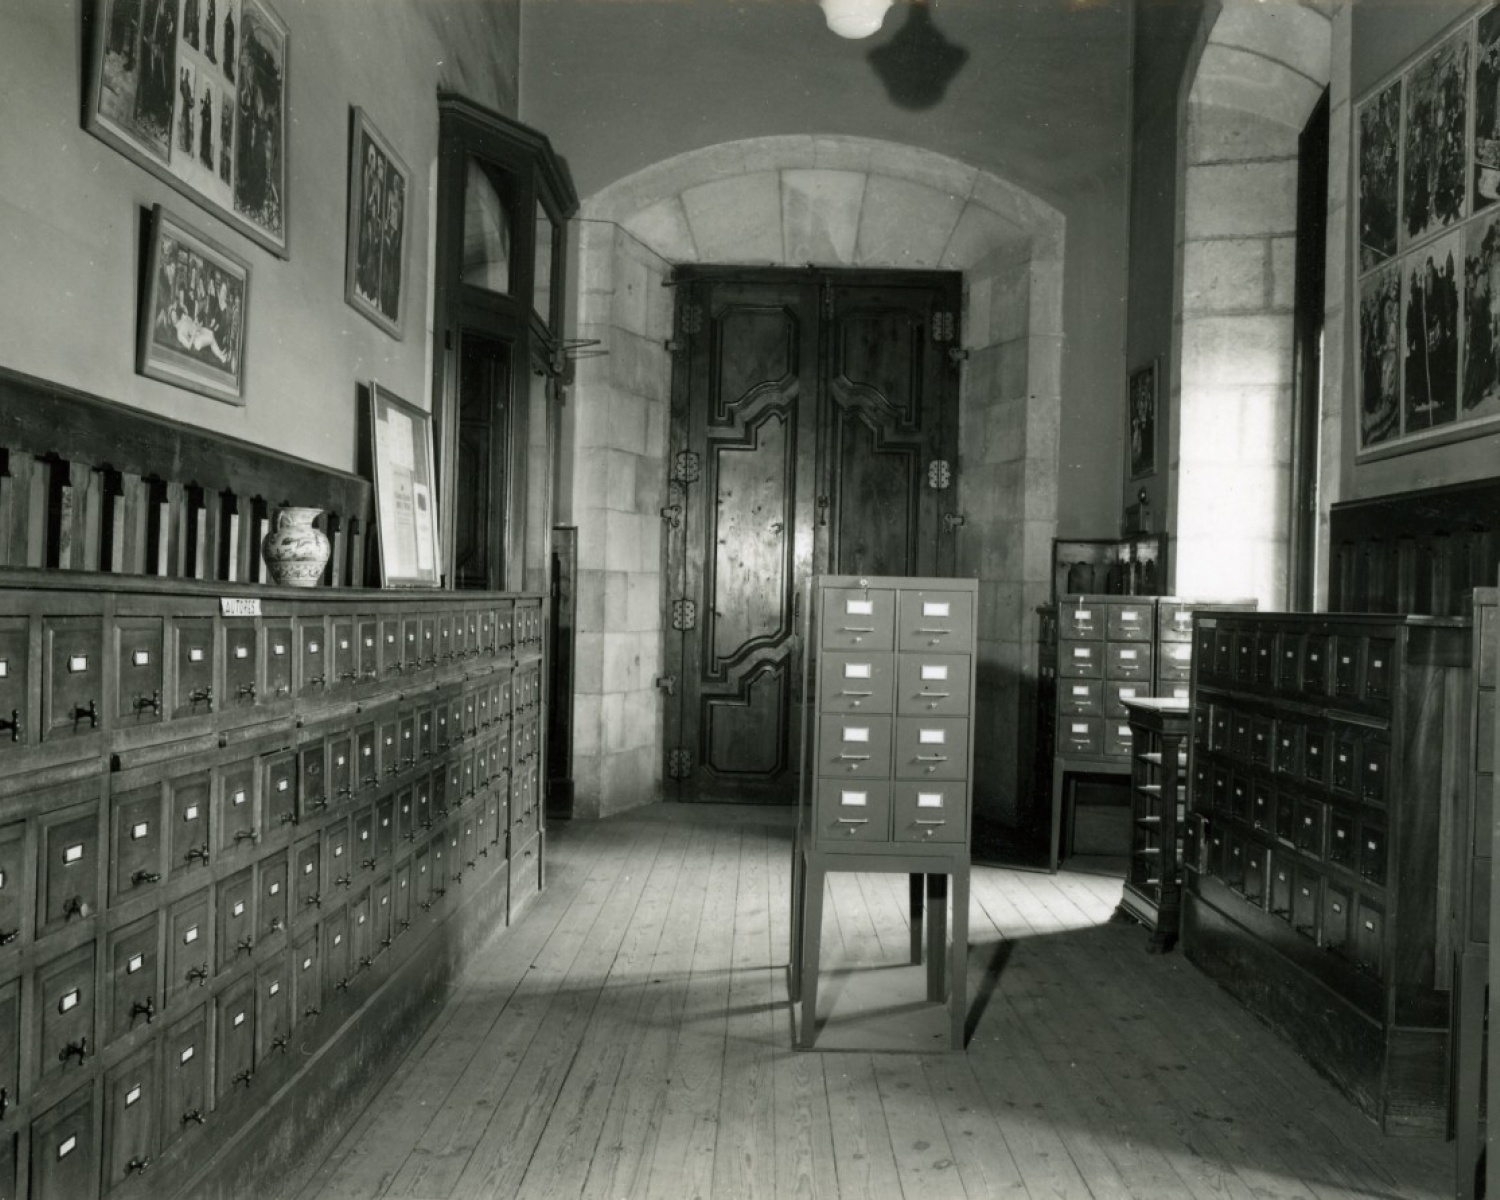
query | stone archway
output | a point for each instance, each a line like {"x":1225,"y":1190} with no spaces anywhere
{"x":791,"y":201}
{"x":1260,"y":71}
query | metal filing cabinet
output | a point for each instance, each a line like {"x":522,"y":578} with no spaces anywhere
{"x":887,"y":779}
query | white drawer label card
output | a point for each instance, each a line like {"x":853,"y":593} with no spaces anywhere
{"x":132,"y":1095}
{"x":390,"y":639}
{"x":338,"y":939}
{"x":932,"y":737}
{"x":384,"y":900}
{"x":1127,"y":693}
{"x":278,"y":649}
{"x":273,"y":989}
{"x":239,"y":797}
{"x":307,"y":868}
{"x":283,"y":783}
{"x":935,"y":608}
{"x":141,"y":658}
{"x":137,"y":832}
{"x":137,"y":961}
{"x":338,"y":852}
{"x":929,"y":799}
{"x":2,"y":881}
{"x":361,"y":918}
{"x":239,"y":908}
{"x":190,"y":813}
{"x":1083,"y":614}
{"x":66,"y":1147}
{"x":239,"y":1019}
{"x":78,"y":662}
{"x":340,"y":761}
{"x":242,"y":652}
{"x":364,"y":835}
{"x":859,"y":608}
{"x":69,"y":1001}
{"x":1080,"y":728}
{"x":72,"y":854}
{"x":186,"y":1055}
{"x":1130,"y":655}
{"x":1082,"y":652}
{"x":934,"y":672}
{"x":4,"y":667}
{"x":195,"y":654}
{"x":1182,"y":653}
{"x":307,"y":964}
{"x":275,"y":888}
{"x":856,"y":735}
{"x":857,"y":671}
{"x":231,"y":606}
{"x":190,"y":936}
{"x":1080,"y":689}
{"x":1131,"y":615}
{"x":1180,"y":692}
{"x":855,"y":799}
{"x":369,"y":641}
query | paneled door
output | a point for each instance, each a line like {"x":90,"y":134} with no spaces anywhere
{"x":814,"y":429}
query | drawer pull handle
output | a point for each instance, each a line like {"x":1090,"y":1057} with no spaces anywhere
{"x":203,"y":693}
{"x":89,"y":711}
{"x":855,"y":757}
{"x":244,"y":1077}
{"x":80,"y":1048}
{"x":919,"y":821}
{"x":313,"y":901}
{"x":197,"y":853}
{"x":936,"y":695}
{"x":143,"y":702}
{"x":343,"y":881}
{"x":14,"y":725}
{"x":931,"y":758}
{"x":854,"y":820}
{"x":192,"y":1117}
{"x":368,"y":864}
{"x":288,"y":818}
{"x":198,"y":975}
{"x":245,"y":946}
{"x":936,"y":632}
{"x":140,"y":877}
{"x":317,"y":680}
{"x":858,"y":629}
{"x":147,"y":1010}
{"x":349,"y":675}
{"x":244,"y":835}
{"x":849,"y":693}
{"x":311,"y":1011}
{"x":7,"y":936}
{"x":279,"y":1043}
{"x":247,"y":691}
{"x":75,"y":906}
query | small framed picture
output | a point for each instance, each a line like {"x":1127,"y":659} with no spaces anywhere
{"x":379,"y":185}
{"x":405,"y":496}
{"x":193,"y":321}
{"x":1141,"y":415}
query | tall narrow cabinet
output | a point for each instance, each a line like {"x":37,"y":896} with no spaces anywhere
{"x":1158,"y":793}
{"x":888,"y":765}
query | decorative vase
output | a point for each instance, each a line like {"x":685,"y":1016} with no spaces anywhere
{"x":295,"y":550}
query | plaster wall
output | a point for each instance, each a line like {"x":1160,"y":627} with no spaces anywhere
{"x":71,"y":209}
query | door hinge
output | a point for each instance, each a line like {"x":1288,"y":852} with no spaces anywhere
{"x":828,"y":305}
{"x":679,"y":763}
{"x":942,"y":326}
{"x":667,"y":683}
{"x":684,"y":615}
{"x":691,"y":318}
{"x":951,"y":522}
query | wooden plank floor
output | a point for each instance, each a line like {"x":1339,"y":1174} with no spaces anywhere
{"x":631,"y":1037}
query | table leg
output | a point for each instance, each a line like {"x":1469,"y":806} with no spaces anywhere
{"x":1058,"y":779}
{"x":812,"y":936}
{"x":937,"y":936}
{"x":914,"y":887}
{"x":795,"y":908}
{"x":958,"y":997}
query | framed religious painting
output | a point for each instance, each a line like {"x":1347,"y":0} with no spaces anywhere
{"x":1141,"y":422}
{"x":379,"y":187}
{"x":405,"y":497}
{"x":195,"y":91}
{"x":196,"y":303}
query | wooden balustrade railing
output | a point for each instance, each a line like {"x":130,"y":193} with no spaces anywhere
{"x":87,"y":484}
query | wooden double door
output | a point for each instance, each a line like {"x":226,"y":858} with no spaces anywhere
{"x":814,"y":430}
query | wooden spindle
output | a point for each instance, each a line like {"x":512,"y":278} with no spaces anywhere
{"x":36,"y":512}
{"x":177,"y":530}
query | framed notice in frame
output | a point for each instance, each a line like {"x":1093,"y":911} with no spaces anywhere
{"x":405,"y":501}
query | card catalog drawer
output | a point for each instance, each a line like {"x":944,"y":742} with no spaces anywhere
{"x":1128,"y":660}
{"x":1081,"y":620}
{"x":930,"y":812}
{"x":1081,"y":735}
{"x":935,"y":684}
{"x":932,"y":747}
{"x":849,"y":681}
{"x":931,"y":619}
{"x":858,"y":619}
{"x":859,"y":746}
{"x":1080,"y":660}
{"x":854,"y":810}
{"x":1080,"y":697}
{"x":1128,"y":622}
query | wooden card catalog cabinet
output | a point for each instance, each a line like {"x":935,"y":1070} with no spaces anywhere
{"x":226,"y":819}
{"x":887,"y":784}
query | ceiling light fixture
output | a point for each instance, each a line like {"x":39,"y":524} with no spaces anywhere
{"x":854,"y":18}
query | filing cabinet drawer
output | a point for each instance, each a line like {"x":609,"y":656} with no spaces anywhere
{"x":1128,"y":660}
{"x":10,"y":1039}
{"x":1315,"y":754}
{"x":1080,"y":698}
{"x":1282,"y":886}
{"x":1343,"y":839}
{"x":855,"y":746}
{"x":390,"y":647}
{"x":274,"y":888}
{"x":1128,"y":621}
{"x":1286,"y":816}
{"x":1348,"y":651}
{"x":1372,"y":853}
{"x":363,"y":838}
{"x":1367,"y":937}
{"x":337,"y":965}
{"x":279,"y":791}
{"x":188,"y":946}
{"x":1117,"y":737}
{"x":1379,"y":670}
{"x":1312,"y":817}
{"x":73,"y":686}
{"x":1081,"y":619}
{"x":1313,"y":676}
{"x":278,"y":636}
{"x":1241,"y":733}
{"x":1262,"y":741}
{"x":19,"y":721}
{"x":8,"y":1165}
{"x":307,"y":876}
{"x":1176,"y":661}
{"x":68,"y":867}
{"x":1080,"y":660}
{"x":312,"y":780}
{"x":854,"y":811}
{"x":1253,"y":883}
{"x":345,"y":661}
{"x":932,"y":748}
{"x":930,"y":812}
{"x":367,"y":647}
{"x":136,"y":839}
{"x":241,"y":664}
{"x":401,"y":896}
{"x":411,"y":644}
{"x":1116,"y":693}
{"x":366,"y":768}
{"x":312,"y":645}
{"x":857,"y":619}
{"x":388,"y":755}
{"x":381,"y":913}
{"x":234,"y":908}
{"x":936,"y":620}
{"x":1082,"y":735}
{"x":1344,"y":773}
{"x":1289,"y":662}
{"x":1174,"y":621}
{"x":1287,"y":751}
{"x":1262,"y":805}
{"x":65,"y":1013}
{"x":307,"y":979}
{"x":193,"y":638}
{"x":64,"y":1150}
{"x":139,"y":691}
{"x":273,"y":1015}
{"x":185,"y":1067}
{"x":235,"y":817}
{"x":934,"y":684}
{"x":1374,"y":767}
{"x":340,"y":759}
{"x":425,"y":733}
{"x":1307,"y":901}
{"x":385,"y":829}
{"x":234,"y":1043}
{"x":187,"y":809}
{"x":360,"y":953}
{"x":130,"y":1104}
{"x":1334,"y":928}
{"x":133,"y":979}
{"x":407,"y":746}
{"x":850,"y":681}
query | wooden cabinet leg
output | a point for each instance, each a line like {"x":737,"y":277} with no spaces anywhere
{"x":937,"y":935}
{"x":958,"y":998}
{"x":914,"y":888}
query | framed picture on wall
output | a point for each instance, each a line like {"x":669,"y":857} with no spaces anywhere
{"x":193,"y":317}
{"x":405,"y":499}
{"x":195,"y":92}
{"x":1141,"y":403}
{"x":379,"y":184}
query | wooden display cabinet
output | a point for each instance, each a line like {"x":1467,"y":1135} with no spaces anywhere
{"x":1158,"y":792}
